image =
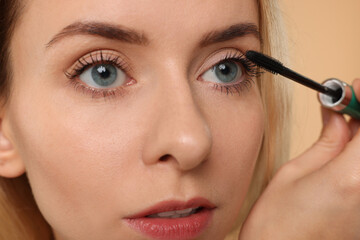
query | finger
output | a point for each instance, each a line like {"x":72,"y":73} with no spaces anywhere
{"x":354,"y":125}
{"x":345,"y":169}
{"x":333,"y":138}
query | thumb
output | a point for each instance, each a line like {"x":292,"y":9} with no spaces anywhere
{"x":333,"y":138}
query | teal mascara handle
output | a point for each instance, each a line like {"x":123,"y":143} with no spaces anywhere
{"x":346,"y":104}
{"x":353,"y":109}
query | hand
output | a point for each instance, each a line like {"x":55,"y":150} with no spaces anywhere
{"x":316,"y":195}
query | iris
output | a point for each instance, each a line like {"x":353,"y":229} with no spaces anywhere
{"x":104,"y":74}
{"x":226,"y":71}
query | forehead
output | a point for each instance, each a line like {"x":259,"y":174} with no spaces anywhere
{"x":166,"y":19}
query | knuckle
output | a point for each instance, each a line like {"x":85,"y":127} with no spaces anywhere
{"x":348,"y":186}
{"x":347,"y":171}
{"x":329,"y":143}
{"x":287,"y":171}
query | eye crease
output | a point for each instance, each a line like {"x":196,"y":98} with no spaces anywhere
{"x":104,"y":73}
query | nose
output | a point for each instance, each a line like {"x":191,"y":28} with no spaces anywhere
{"x":179,"y":133}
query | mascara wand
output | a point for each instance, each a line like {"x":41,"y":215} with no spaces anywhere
{"x":333,"y":93}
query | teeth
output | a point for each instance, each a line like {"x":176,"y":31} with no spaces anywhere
{"x":184,"y":211}
{"x":167,"y":214}
{"x":174,"y":214}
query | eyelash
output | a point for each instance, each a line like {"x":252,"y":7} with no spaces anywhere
{"x":251,"y":71}
{"x":96,"y":58}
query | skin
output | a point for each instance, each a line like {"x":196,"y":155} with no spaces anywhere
{"x":171,"y":136}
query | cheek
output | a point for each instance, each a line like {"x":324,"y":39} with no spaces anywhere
{"x":237,"y":135}
{"x":73,"y":155}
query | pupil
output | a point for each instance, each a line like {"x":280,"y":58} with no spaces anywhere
{"x":103,"y":72}
{"x":224,"y":69}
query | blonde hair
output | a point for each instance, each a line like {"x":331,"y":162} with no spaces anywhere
{"x":277,"y":98}
{"x":20,"y":216}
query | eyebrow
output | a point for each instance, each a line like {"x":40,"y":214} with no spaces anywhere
{"x":100,"y":29}
{"x":126,"y":35}
{"x":229,"y":33}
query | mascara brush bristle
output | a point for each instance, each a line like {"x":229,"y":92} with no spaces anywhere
{"x":268,"y":63}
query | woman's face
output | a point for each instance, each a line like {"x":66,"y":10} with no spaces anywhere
{"x":124,"y":110}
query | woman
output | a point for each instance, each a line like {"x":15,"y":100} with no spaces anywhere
{"x":138,"y":120}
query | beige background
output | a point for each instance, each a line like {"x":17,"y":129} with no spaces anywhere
{"x":324,"y":43}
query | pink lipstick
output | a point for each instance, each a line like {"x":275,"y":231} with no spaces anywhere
{"x":173,"y":219}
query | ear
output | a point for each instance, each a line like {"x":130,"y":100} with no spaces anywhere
{"x":11,"y":165}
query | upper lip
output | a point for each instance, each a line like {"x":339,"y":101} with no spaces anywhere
{"x":174,"y":205}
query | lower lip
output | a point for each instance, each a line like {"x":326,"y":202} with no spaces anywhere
{"x":172,"y":228}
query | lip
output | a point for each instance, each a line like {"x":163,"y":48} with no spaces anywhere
{"x":173,"y":228}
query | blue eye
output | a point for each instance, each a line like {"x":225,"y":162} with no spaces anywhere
{"x":226,"y":71}
{"x":223,"y":72}
{"x":103,"y":76}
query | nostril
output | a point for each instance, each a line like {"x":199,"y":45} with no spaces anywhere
{"x":164,"y":158}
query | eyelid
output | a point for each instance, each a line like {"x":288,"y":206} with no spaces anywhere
{"x":217,"y":57}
